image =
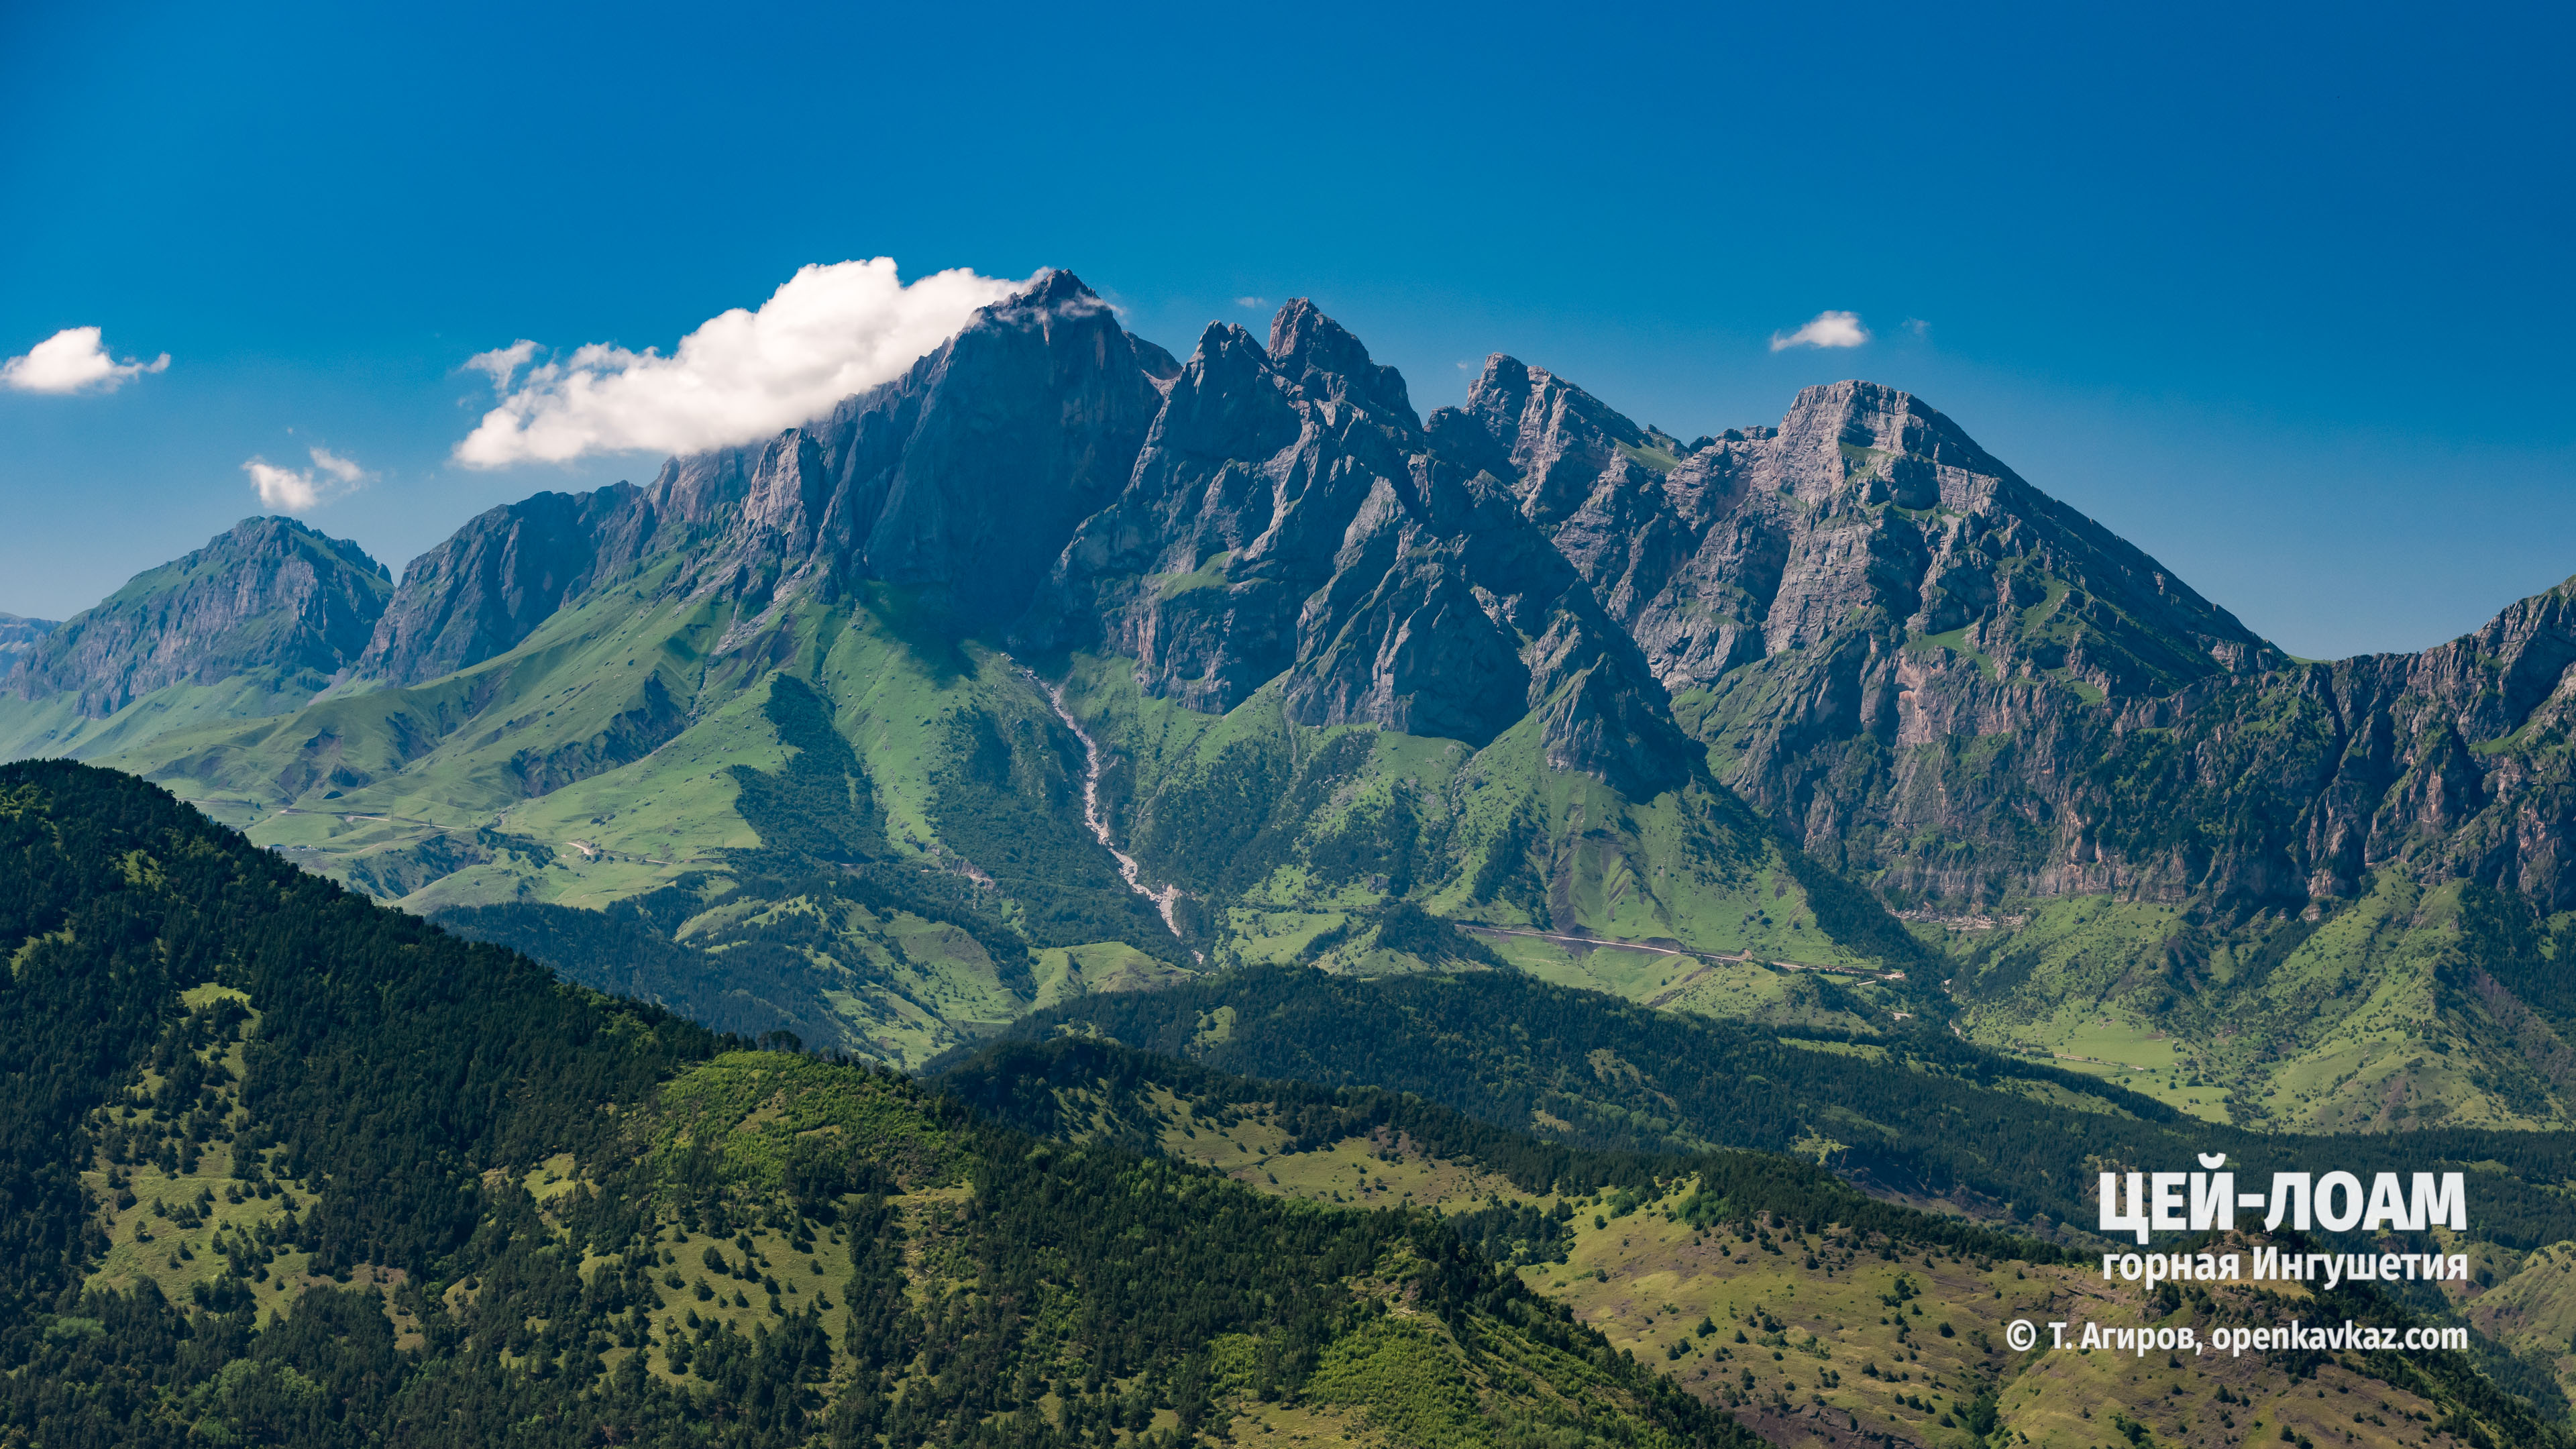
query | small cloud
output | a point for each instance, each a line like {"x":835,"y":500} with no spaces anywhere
{"x":344,"y":469}
{"x":74,"y":360}
{"x":298,"y":490}
{"x":502,"y":363}
{"x":1918,"y":326}
{"x":1827,"y":329}
{"x":1254,"y":303}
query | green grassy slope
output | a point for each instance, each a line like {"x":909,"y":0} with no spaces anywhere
{"x":1766,"y":1287}
{"x":1294,"y":840}
{"x":2395,"y":1011}
{"x":307,"y":1171}
{"x":646,"y":743}
{"x":622,"y":752}
{"x":55,"y":728}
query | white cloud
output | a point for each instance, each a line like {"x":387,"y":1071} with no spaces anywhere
{"x":1255,"y":303}
{"x":299,"y":490}
{"x":1918,"y":326}
{"x":829,"y":332}
{"x":344,"y":469}
{"x":502,"y":363}
{"x":1828,"y":329}
{"x":74,"y":360}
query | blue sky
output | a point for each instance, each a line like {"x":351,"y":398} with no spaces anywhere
{"x":2282,"y":297}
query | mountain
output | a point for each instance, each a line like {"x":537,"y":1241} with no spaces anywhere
{"x":1284,"y":522}
{"x":841,"y":731}
{"x":17,"y":636}
{"x":2338,"y":887}
{"x":1136,"y":665}
{"x":256,"y":622}
{"x":490,"y":584}
{"x":1861,"y":578}
{"x":304,"y":1170}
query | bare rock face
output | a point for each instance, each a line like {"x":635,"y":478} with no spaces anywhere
{"x":2455,"y":763}
{"x":271,"y":594}
{"x":18,"y":635}
{"x":1864,"y":511}
{"x":1920,"y":665}
{"x":1934,"y":673}
{"x":1837,"y":602}
{"x":957,"y":482}
{"x":490,"y":584}
{"x":1286,"y":516}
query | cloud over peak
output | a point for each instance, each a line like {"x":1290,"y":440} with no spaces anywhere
{"x":1825,"y":329}
{"x":74,"y":360}
{"x":299,"y":490}
{"x":828,"y":332}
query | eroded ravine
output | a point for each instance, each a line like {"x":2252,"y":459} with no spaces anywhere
{"x":1168,"y":899}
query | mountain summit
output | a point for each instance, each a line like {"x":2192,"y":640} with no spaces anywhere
{"x":258,"y":621}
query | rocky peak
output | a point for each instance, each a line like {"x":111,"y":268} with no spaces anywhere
{"x":1554,"y":443}
{"x":268,"y":595}
{"x":490,"y":584}
{"x":958,"y":481}
{"x":1283,"y":520}
{"x":1888,"y":446}
{"x":1315,"y":352}
{"x":1053,"y":291}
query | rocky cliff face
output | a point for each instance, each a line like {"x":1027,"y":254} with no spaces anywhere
{"x":491,"y":584}
{"x":1840,"y":602}
{"x":1865,"y":512}
{"x":1941,"y":677}
{"x":1266,"y":509}
{"x":957,"y":483}
{"x":1287,"y":517}
{"x":19,"y":634}
{"x":2455,"y":763}
{"x":271,"y":594}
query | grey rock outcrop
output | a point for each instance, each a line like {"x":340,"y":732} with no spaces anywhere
{"x":1287,"y":517}
{"x":1926,"y":669}
{"x":1865,"y":511}
{"x":271,"y":594}
{"x":490,"y":584}
{"x":18,"y":635}
{"x":1264,"y":510}
{"x":1842,"y":603}
{"x":957,"y":482}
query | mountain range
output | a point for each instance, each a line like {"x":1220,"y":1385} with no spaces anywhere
{"x":1062,"y":665}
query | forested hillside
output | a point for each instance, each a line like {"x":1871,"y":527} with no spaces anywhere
{"x":1814,"y":1314}
{"x":1917,"y":1116}
{"x":285,"y":1166}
